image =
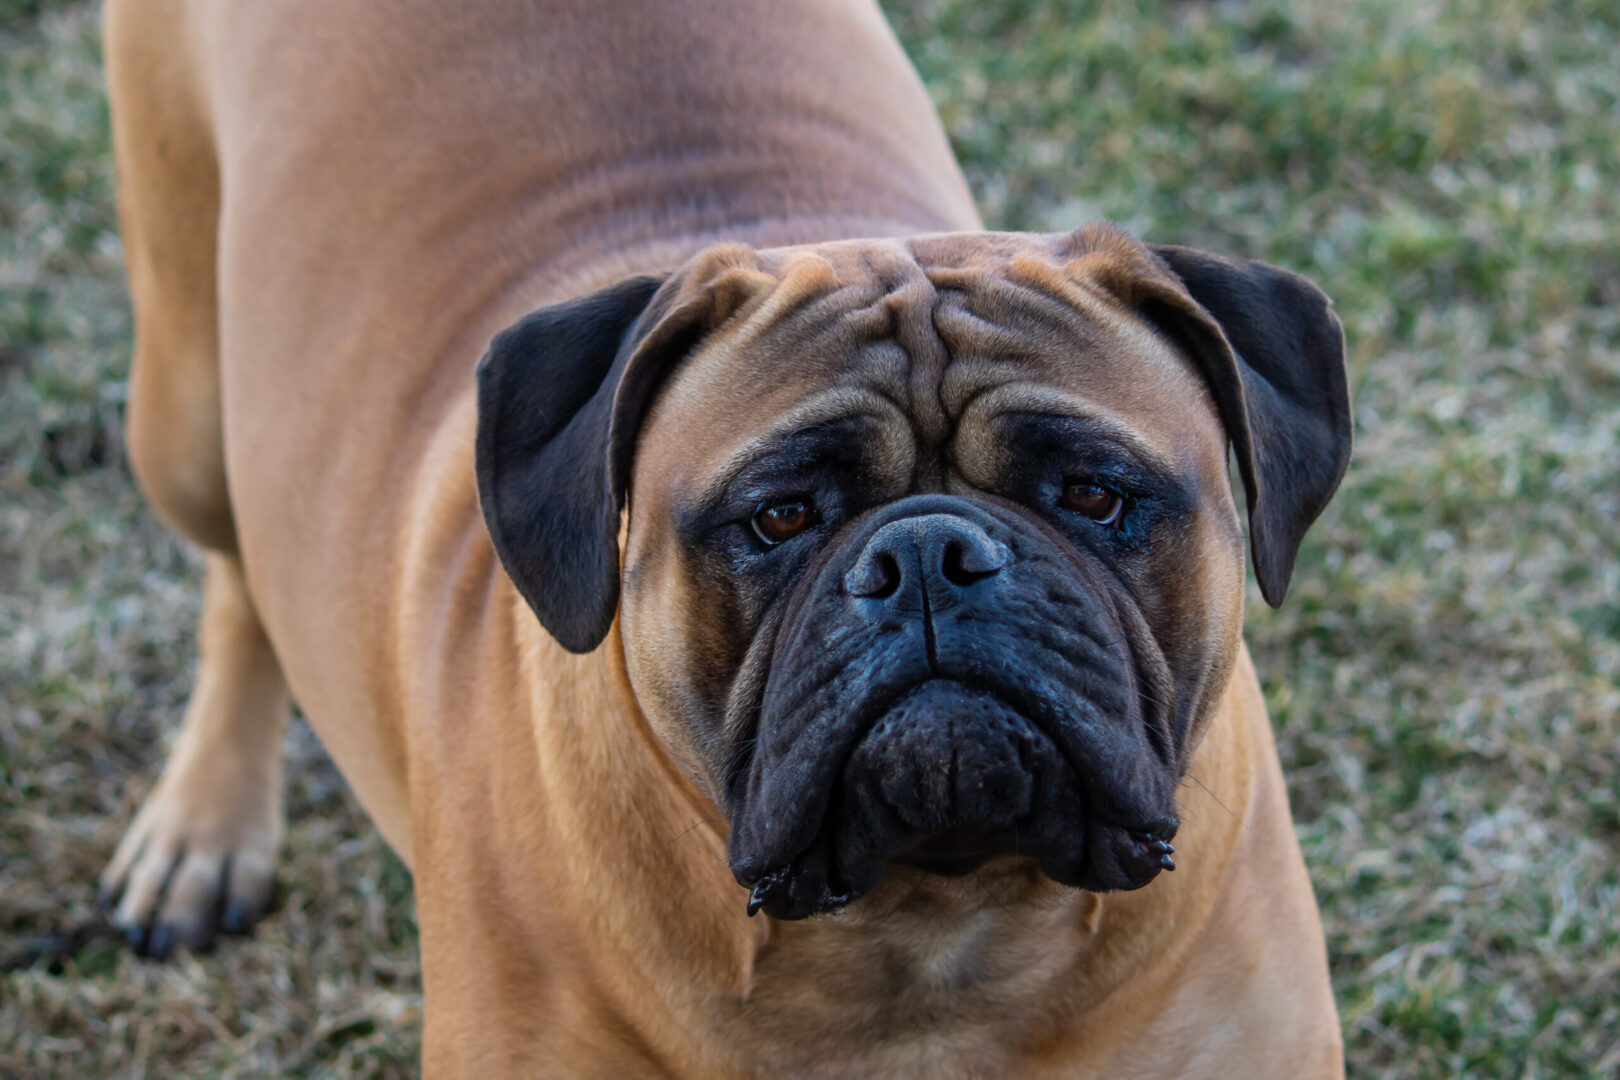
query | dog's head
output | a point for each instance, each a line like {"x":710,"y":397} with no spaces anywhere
{"x":932,"y":554}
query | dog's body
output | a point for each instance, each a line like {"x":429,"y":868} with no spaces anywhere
{"x":328,"y":211}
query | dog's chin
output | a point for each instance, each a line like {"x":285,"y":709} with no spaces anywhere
{"x":949,"y":778}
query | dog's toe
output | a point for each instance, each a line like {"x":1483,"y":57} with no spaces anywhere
{"x":189,"y":915}
{"x":140,"y":892}
{"x":185,"y":899}
{"x":180,"y":878}
{"x":249,"y":886}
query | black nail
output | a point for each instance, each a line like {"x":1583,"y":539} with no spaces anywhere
{"x":134,"y":935}
{"x":773,"y":888}
{"x":161,"y":943}
{"x":234,"y":921}
{"x":1167,"y":862}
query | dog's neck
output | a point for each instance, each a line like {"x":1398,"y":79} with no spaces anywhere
{"x":948,"y":975}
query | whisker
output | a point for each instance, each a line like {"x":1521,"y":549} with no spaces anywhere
{"x":922,"y":879}
{"x":1005,"y":910}
{"x":1241,"y":823}
{"x":694,"y":825}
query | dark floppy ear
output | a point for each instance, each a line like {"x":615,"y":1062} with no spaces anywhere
{"x":1283,"y":394}
{"x":545,"y":399}
{"x":561,"y":397}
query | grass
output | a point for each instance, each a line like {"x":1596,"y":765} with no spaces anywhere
{"x":1443,"y":679}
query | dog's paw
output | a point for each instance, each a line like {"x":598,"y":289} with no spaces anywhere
{"x":198,"y":860}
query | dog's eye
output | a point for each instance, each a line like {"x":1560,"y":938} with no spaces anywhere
{"x":781,"y":521}
{"x":1084,"y":495}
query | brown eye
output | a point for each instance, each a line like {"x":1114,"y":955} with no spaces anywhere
{"x":1093,"y":500}
{"x":782,"y":521}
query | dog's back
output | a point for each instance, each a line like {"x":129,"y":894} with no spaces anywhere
{"x":400,"y":182}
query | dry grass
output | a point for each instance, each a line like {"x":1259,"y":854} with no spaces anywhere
{"x":97,"y":606}
{"x":1443,"y":678}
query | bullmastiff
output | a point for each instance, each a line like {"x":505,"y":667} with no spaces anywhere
{"x":808,"y":643}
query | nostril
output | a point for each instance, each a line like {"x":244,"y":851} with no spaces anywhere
{"x":965,"y":563}
{"x":955,"y":572}
{"x":890,"y":571}
{"x":876,"y":576}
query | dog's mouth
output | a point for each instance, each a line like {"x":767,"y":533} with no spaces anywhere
{"x":947,"y":778}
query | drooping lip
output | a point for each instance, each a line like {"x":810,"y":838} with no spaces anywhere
{"x":811,"y":824}
{"x":872,"y":709}
{"x":843,"y":851}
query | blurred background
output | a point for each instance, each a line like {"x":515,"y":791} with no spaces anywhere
{"x":1443,"y":678}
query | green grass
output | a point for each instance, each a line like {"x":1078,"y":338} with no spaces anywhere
{"x":1443,"y":678}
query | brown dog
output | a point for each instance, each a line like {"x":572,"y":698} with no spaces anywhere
{"x":927,"y":602}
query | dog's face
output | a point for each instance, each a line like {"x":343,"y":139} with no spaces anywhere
{"x":932,"y":555}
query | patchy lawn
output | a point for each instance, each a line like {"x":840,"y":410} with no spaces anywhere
{"x":1443,"y":678}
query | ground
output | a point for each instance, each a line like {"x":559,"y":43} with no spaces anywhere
{"x":1442,"y":678}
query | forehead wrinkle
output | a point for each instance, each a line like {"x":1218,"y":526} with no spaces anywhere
{"x":748,"y":370}
{"x":808,"y":325}
{"x":890,"y":339}
{"x":994,"y":314}
{"x":839,"y":339}
{"x":1029,"y":289}
{"x":1080,"y":287}
{"x":972,"y":335}
{"x":803,"y":278}
{"x":910,"y":300}
{"x":1006,"y":324}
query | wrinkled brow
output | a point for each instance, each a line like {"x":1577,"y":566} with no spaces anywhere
{"x":988,"y":406}
{"x":1092,"y":430}
{"x":762,"y":466}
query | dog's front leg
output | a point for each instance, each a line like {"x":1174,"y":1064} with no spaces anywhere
{"x":200,"y":856}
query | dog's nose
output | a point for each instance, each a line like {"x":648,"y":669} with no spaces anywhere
{"x":930,"y":557}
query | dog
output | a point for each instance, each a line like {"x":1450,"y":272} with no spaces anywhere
{"x":795,"y":646}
